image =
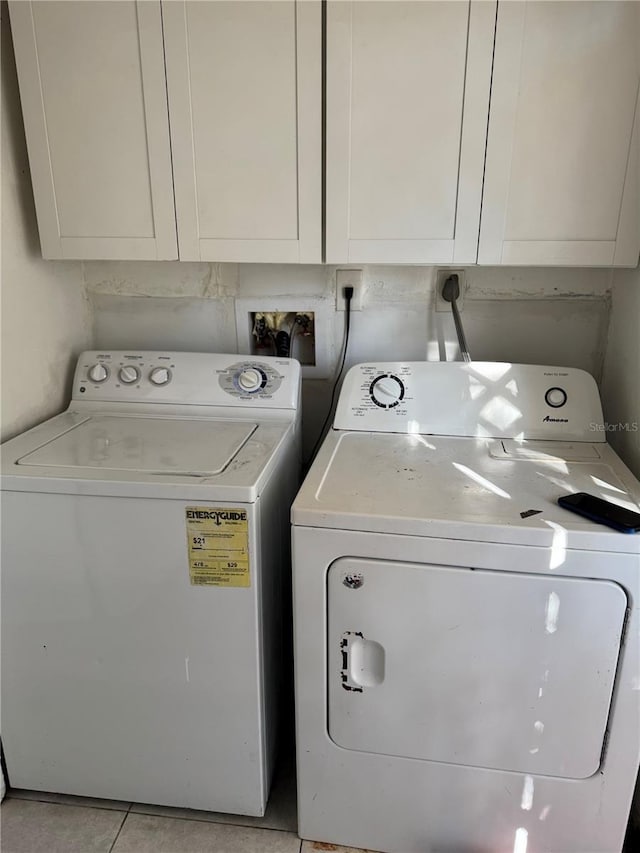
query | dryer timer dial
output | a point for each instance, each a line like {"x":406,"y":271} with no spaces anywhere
{"x":386,"y":391}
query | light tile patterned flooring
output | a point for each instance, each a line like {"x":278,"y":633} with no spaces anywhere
{"x":33,"y":822}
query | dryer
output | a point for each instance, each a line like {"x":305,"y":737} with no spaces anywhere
{"x":145,"y":546}
{"x":466,"y":652}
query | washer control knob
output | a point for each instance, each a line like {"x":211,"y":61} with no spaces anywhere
{"x":160,"y":375}
{"x":386,"y":391}
{"x":97,"y":372}
{"x":250,"y":379}
{"x":128,"y":374}
{"x":556,"y":397}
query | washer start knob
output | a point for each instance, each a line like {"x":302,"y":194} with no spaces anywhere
{"x":556,"y":397}
{"x":160,"y":375}
{"x":386,"y":391}
{"x":250,"y":380}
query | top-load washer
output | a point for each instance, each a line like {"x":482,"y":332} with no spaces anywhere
{"x":145,"y":537}
{"x":466,"y":651}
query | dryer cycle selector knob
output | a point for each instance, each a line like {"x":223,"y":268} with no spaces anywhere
{"x":386,"y":391}
{"x":160,"y":375}
{"x":98,"y":372}
{"x":250,"y":380}
{"x":556,"y":397}
{"x":128,"y":374}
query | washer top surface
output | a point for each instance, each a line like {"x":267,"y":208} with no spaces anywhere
{"x":199,"y":448}
{"x":192,"y":426}
{"x":153,"y":455}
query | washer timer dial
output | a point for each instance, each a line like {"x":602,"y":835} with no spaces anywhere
{"x":386,"y":390}
{"x":251,"y":379}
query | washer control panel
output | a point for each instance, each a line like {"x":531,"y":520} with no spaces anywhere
{"x":187,"y":378}
{"x":484,"y":399}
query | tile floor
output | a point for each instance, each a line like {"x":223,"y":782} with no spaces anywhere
{"x":33,"y":822}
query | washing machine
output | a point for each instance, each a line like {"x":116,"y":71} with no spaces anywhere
{"x":467,"y":668}
{"x":145,"y":548}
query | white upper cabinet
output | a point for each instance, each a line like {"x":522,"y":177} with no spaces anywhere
{"x":407,"y":103}
{"x":562,"y":182}
{"x":244,"y":85}
{"x":92,"y":85}
{"x":192,"y":129}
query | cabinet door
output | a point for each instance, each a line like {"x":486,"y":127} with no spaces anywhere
{"x":244,"y":84}
{"x":407,"y":102}
{"x":562,"y":183}
{"x":93,"y":93}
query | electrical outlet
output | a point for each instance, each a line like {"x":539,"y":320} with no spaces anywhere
{"x":441,"y":277}
{"x":349,"y":278}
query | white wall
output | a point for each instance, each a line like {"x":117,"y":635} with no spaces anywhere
{"x":553,"y":316}
{"x":45,"y":314}
{"x":538,"y":316}
{"x":621,"y":380}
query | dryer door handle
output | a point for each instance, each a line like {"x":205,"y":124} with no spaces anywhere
{"x":363,"y":662}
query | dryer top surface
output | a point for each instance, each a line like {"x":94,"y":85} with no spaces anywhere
{"x":464,"y":488}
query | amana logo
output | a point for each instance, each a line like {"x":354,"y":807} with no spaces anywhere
{"x":549,"y":420}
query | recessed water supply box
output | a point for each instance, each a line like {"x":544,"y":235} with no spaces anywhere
{"x":268,"y":326}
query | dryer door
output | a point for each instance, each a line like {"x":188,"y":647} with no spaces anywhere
{"x":480,"y":668}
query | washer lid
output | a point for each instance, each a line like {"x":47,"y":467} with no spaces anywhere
{"x":177,"y":446}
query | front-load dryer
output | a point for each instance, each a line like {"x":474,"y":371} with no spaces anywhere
{"x":466,"y":652}
{"x":145,"y":540}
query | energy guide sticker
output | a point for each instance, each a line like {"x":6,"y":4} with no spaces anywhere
{"x":218,"y":543}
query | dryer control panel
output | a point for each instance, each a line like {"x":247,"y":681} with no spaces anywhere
{"x":483,"y":399}
{"x":199,"y":379}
